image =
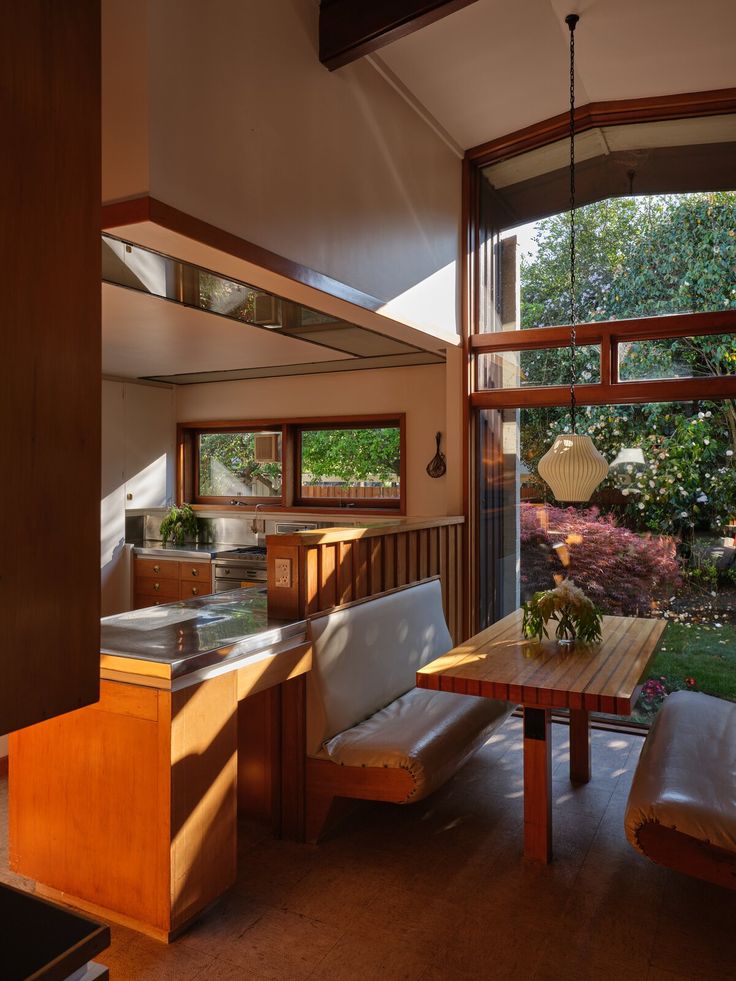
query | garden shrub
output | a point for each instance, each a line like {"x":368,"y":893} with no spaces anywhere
{"x":622,"y":572}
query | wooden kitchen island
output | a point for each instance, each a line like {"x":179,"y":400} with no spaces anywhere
{"x":128,"y":808}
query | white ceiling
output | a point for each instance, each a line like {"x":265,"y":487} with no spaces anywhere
{"x":143,"y":335}
{"x":500,"y":65}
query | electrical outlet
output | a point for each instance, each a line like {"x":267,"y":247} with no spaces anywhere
{"x":282,"y":573}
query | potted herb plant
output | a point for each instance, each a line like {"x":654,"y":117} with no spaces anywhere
{"x":180,"y":525}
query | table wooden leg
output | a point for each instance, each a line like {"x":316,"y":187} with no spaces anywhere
{"x":537,"y":784}
{"x":579,"y":746}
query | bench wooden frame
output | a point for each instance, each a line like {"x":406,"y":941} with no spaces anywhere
{"x":683,"y":853}
{"x":332,"y":790}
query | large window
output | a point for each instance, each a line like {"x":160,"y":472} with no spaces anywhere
{"x":656,"y":389}
{"x":326,"y":463}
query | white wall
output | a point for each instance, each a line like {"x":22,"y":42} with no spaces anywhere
{"x":419,"y":392}
{"x":249,"y":132}
{"x":138,"y":453}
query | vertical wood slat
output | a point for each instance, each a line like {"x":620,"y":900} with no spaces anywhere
{"x":311,"y":595}
{"x":413,"y":556}
{"x":434,"y":549}
{"x":327,"y":577}
{"x":389,"y":561}
{"x":375,"y":579}
{"x":423,"y":553}
{"x":402,"y":559}
{"x":451,"y":596}
{"x":360,"y":569}
{"x":345,"y":572}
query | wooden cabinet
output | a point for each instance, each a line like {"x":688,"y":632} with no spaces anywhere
{"x":157,"y":581}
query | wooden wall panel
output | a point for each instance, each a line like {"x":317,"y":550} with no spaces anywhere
{"x":50,"y":315}
{"x":344,"y":564}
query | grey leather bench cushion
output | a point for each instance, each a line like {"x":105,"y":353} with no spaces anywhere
{"x":365,"y":656}
{"x":686,"y":777}
{"x":429,"y":733}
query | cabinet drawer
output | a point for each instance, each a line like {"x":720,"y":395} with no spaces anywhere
{"x":156,"y":568}
{"x":195,"y":571}
{"x":190,"y":590}
{"x":166,"y":589}
{"x":142,"y":601}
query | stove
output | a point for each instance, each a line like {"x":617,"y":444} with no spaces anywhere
{"x":240,"y":566}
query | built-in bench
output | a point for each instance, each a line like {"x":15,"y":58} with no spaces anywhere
{"x":371,"y":733}
{"x":682,"y":806}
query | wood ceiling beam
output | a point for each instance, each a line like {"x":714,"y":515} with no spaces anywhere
{"x":350,"y":29}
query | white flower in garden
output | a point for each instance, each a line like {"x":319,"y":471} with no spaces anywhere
{"x":701,"y":415}
{"x":683,"y":514}
{"x":703,"y":499}
{"x":662,"y":490}
{"x":708,"y":414}
{"x":729,"y":452}
{"x":651,"y":483}
{"x":641,"y":506}
{"x":625,"y":492}
{"x":707,"y":442}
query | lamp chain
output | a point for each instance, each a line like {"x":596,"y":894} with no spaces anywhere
{"x":571,"y":20}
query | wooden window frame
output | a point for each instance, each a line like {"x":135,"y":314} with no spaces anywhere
{"x":208,"y":499}
{"x":395,"y":505}
{"x":610,"y":390}
{"x":187,"y":463}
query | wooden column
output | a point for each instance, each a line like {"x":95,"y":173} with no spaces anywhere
{"x":50,"y":314}
{"x":537,"y":784}
{"x":579,"y":746}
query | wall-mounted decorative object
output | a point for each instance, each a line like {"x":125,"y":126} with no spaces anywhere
{"x":437,"y":466}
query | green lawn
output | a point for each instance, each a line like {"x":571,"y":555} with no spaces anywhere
{"x":705,"y":653}
{"x":699,"y":657}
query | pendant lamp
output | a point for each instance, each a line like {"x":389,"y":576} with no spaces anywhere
{"x":572,"y":466}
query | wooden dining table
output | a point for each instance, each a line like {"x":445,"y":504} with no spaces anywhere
{"x":542,"y":676}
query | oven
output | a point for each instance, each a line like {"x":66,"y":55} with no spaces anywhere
{"x":238,"y":568}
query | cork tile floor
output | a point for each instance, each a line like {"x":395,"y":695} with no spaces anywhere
{"x":439,"y":891}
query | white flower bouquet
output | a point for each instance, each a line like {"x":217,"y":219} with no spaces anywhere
{"x":576,"y":616}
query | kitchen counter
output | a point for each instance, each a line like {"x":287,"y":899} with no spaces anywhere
{"x":177,"y":639}
{"x":157,"y":549}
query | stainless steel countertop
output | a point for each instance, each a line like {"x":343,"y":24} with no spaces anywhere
{"x":190,"y":551}
{"x":194,"y":634}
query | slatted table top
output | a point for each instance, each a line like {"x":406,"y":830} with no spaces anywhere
{"x":500,"y":663}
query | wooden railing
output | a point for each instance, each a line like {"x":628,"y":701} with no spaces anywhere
{"x":313,"y":571}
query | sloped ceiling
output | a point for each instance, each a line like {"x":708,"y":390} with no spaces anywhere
{"x":500,"y":65}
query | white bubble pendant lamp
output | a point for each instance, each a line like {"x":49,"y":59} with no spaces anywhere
{"x":572,"y":466}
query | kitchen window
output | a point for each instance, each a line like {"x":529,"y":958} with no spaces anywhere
{"x":349,"y":465}
{"x":334,"y":462}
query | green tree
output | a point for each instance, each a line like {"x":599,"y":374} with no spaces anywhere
{"x":351,"y":455}
{"x":642,"y":257}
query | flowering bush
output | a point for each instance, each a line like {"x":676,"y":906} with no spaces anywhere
{"x":622,"y":572}
{"x":655,"y":690}
{"x":687,"y":479}
{"x":569,"y":607}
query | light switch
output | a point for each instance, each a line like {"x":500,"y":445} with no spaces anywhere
{"x":282,"y":573}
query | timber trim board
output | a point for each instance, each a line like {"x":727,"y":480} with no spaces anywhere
{"x":119,"y":214}
{"x":350,"y":29}
{"x":615,"y":113}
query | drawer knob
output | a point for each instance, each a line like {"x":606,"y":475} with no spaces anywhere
{"x":157,"y":569}
{"x":195,"y":590}
{"x":157,"y":586}
{"x":195,"y":572}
